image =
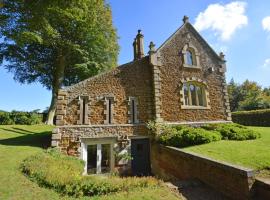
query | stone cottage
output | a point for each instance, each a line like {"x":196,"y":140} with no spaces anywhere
{"x":103,"y":119}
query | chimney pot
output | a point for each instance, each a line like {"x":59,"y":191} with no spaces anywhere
{"x":138,"y":46}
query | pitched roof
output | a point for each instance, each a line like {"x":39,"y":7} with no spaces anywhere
{"x":81,"y":83}
{"x":197,"y":34}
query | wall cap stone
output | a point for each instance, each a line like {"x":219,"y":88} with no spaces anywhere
{"x":250,"y":173}
{"x":101,"y":125}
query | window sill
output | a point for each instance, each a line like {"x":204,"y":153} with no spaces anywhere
{"x":191,"y":66}
{"x":194,"y":107}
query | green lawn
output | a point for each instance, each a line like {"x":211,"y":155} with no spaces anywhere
{"x":18,"y":142}
{"x":253,"y":154}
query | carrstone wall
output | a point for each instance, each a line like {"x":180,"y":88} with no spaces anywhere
{"x":172,"y":72}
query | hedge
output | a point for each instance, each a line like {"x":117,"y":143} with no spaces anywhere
{"x":252,"y":118}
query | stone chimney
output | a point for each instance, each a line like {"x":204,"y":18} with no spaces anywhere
{"x":138,"y":46}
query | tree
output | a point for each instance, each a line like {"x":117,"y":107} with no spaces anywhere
{"x":234,"y":95}
{"x":248,"y":96}
{"x":56,"y":42}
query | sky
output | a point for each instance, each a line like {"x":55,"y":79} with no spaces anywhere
{"x":240,"y":29}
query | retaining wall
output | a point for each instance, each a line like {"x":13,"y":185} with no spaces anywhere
{"x":172,"y":163}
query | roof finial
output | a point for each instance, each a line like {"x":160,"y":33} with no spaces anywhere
{"x":151,"y":47}
{"x":222,"y":56}
{"x":185,"y":19}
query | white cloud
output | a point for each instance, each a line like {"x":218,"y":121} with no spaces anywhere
{"x":266,"y":23}
{"x":266,"y":64}
{"x":224,"y":20}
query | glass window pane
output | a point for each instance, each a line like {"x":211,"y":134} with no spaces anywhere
{"x":189,"y":58}
{"x":200,"y":95}
{"x":106,"y":158}
{"x":185,"y":87}
{"x":91,"y":159}
{"x":193,"y":95}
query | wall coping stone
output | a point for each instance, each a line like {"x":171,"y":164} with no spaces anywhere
{"x":221,"y":164}
{"x":196,"y":123}
{"x":101,"y":125}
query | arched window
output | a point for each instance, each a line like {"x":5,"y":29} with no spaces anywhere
{"x":194,"y":94}
{"x":189,"y":56}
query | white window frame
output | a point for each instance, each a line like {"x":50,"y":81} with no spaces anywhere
{"x":98,"y":141}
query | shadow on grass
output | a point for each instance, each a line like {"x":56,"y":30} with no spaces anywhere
{"x":17,"y":130}
{"x":41,"y":140}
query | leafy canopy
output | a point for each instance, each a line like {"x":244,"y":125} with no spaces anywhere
{"x":248,"y":96}
{"x":35,"y":34}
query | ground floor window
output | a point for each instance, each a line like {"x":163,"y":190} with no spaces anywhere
{"x":98,"y":156}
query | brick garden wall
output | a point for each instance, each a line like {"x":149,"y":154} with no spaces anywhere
{"x":173,"y":163}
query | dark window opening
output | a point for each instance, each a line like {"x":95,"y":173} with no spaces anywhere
{"x":110,"y":111}
{"x":84,"y":112}
{"x":133,"y":110}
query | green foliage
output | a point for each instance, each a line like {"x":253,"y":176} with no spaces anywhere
{"x":5,"y":119}
{"x":64,"y":174}
{"x":44,"y":33}
{"x":252,"y":118}
{"x":181,"y":136}
{"x":57,"y":43}
{"x":17,"y":117}
{"x":232,"y":131}
{"x":248,"y":96}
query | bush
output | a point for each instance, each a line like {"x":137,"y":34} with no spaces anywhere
{"x":233,"y":131}
{"x":180,"y":136}
{"x":5,"y":119}
{"x":252,"y":118}
{"x":64,"y":174}
{"x":22,"y":118}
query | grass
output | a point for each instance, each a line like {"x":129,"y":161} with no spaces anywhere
{"x":253,"y":154}
{"x":18,"y":142}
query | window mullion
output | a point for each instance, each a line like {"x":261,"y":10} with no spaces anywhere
{"x":196,"y":94}
{"x":189,"y":95}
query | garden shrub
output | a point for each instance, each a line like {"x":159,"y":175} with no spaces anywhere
{"x":232,"y":131}
{"x":64,"y":174}
{"x":252,"y":118}
{"x":182,"y":136}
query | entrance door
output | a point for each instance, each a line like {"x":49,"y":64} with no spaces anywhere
{"x":140,"y":163}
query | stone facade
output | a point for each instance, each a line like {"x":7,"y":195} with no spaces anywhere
{"x":120,"y":102}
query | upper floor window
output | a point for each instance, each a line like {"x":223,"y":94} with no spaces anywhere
{"x":194,"y":94}
{"x":190,"y":57}
{"x":133,"y":112}
{"x":83,"y":104}
{"x":109,"y":102}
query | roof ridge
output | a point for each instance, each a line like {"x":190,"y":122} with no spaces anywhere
{"x":101,"y":74}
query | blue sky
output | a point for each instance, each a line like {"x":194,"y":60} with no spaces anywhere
{"x":241,"y":29}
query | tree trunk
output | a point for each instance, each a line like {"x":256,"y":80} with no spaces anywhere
{"x":58,"y":78}
{"x":52,"y":108}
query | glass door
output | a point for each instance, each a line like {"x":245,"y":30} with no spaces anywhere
{"x":98,"y":158}
{"x":105,"y":158}
{"x":91,"y":159}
